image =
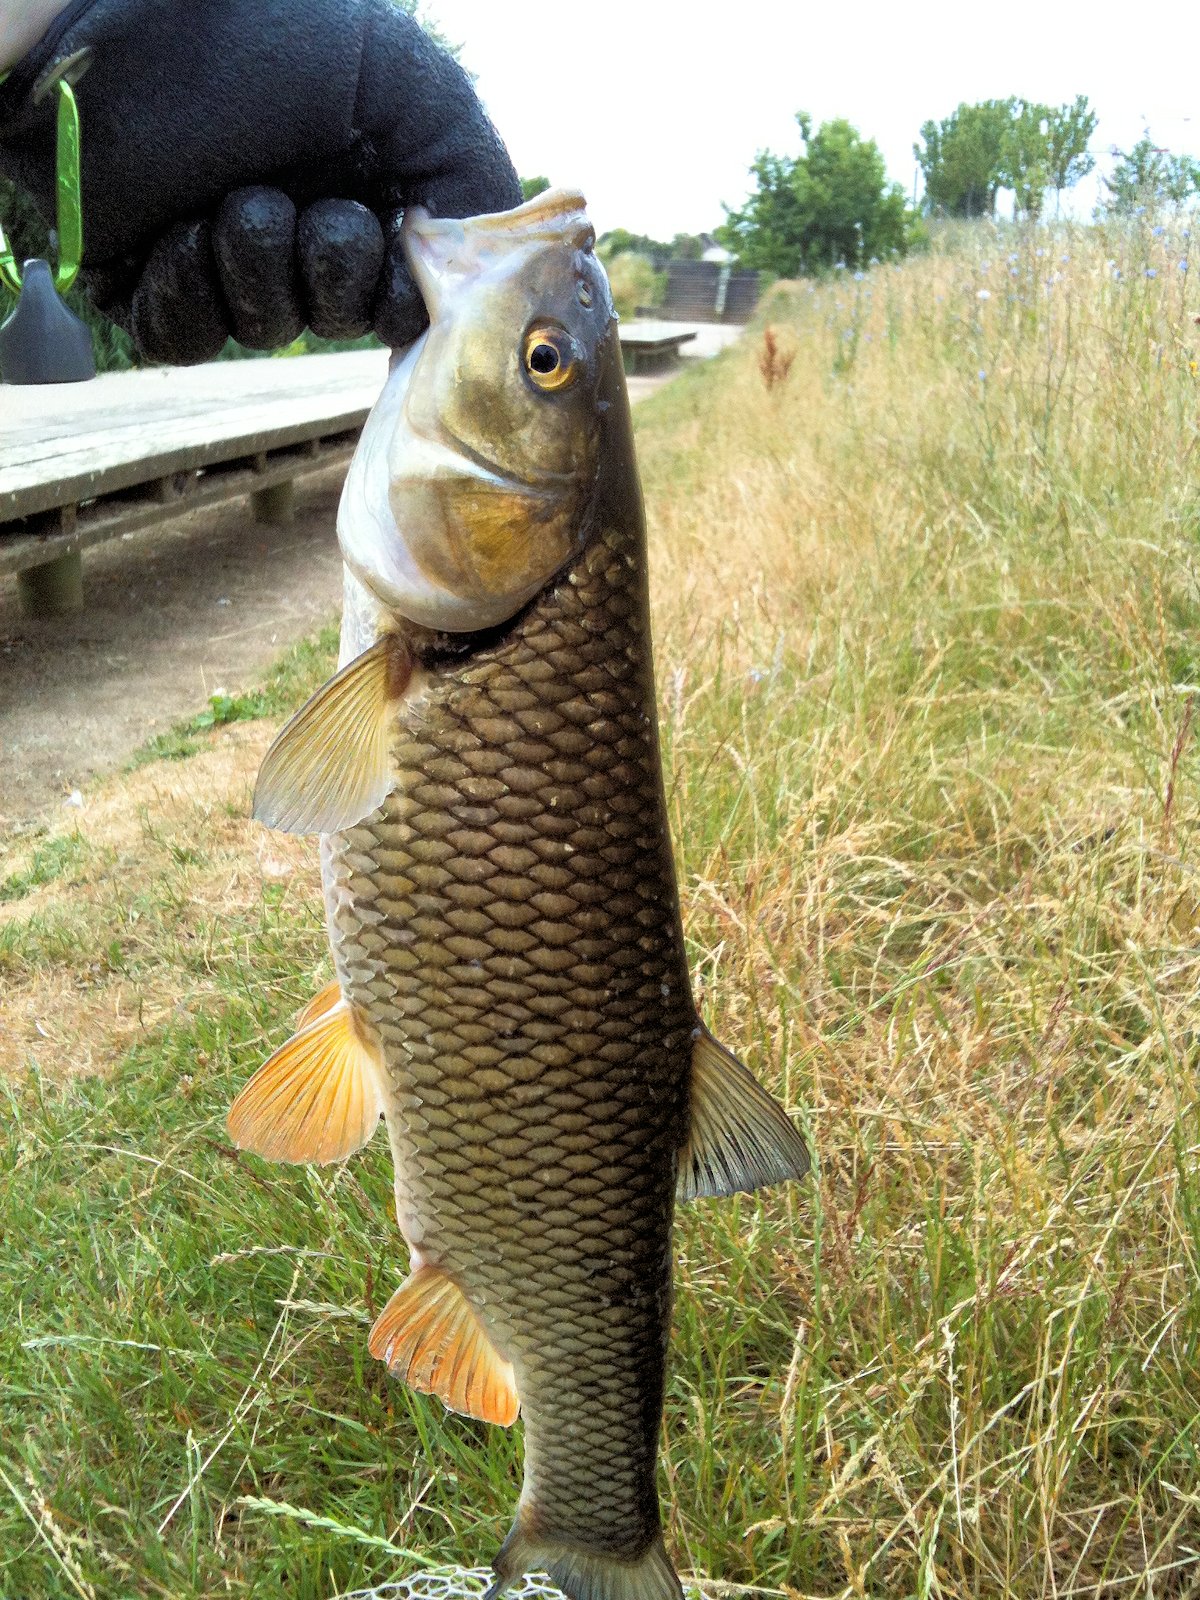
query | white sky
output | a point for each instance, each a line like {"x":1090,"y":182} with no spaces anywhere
{"x":656,"y":108}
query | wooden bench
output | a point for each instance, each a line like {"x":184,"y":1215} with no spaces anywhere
{"x":82,"y":463}
{"x":651,"y":346}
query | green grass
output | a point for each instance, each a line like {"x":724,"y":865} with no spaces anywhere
{"x":297,"y":674}
{"x":927,"y":664}
{"x":56,"y":859}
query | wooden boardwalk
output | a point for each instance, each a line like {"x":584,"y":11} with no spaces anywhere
{"x":84,"y":463}
{"x":69,"y":443}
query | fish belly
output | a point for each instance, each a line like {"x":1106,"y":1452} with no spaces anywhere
{"x":509,"y":922}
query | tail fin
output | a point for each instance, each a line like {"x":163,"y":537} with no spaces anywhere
{"x":586,"y":1574}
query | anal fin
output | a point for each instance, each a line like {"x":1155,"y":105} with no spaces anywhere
{"x":741,"y":1137}
{"x":317,"y":1098}
{"x":324,"y":1000}
{"x":329,"y":769}
{"x":431,"y":1338}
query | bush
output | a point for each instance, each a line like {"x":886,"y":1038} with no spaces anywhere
{"x":635,"y":283}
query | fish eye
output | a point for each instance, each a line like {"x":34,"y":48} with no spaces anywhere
{"x":551,"y":358}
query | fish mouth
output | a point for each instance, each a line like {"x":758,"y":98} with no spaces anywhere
{"x":446,"y":448}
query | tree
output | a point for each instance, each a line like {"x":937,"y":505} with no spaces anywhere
{"x":532,"y":186}
{"x":963,"y":158}
{"x":831,"y":204}
{"x":1016,"y":144}
{"x":1148,"y":175}
{"x":1067,"y":135}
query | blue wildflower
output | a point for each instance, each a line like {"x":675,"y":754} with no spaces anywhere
{"x":1150,"y":272}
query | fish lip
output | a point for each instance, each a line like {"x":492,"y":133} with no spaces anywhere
{"x":443,"y":441}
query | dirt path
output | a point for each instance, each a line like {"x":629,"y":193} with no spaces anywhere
{"x":202,"y":603}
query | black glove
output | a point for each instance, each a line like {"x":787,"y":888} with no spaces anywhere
{"x":246,"y":163}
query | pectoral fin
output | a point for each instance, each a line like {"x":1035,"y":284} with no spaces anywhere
{"x":317,"y":1098}
{"x":329,"y":768}
{"x":741,"y":1138}
{"x":431,"y":1338}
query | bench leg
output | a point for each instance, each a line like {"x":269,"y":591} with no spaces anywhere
{"x":276,"y":505}
{"x":52,"y":590}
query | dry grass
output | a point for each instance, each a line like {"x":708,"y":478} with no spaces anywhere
{"x":926,"y":614}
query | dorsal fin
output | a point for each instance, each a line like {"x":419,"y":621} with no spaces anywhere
{"x":317,"y":1098}
{"x":329,"y":767}
{"x":741,"y":1138}
{"x":432,"y":1339}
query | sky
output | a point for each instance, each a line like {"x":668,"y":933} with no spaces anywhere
{"x":656,"y":108}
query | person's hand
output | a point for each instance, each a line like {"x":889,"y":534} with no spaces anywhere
{"x":246,"y":163}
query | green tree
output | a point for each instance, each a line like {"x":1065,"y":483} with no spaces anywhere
{"x":1148,"y":175}
{"x":1068,"y":133}
{"x":619,"y":242}
{"x":532,"y":186}
{"x":831,"y":204}
{"x":963,"y":158}
{"x":1025,"y":161}
{"x":1016,"y":144}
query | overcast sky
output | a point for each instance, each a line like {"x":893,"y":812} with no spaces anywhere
{"x":656,"y":112}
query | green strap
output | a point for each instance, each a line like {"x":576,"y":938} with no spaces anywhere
{"x":70,"y":202}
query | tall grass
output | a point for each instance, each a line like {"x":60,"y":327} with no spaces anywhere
{"x":926,"y":616}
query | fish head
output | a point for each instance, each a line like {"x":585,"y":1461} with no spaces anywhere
{"x":492,"y":446}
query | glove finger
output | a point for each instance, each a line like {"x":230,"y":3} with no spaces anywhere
{"x":400,"y":315}
{"x":254,"y":242}
{"x":178,"y":315}
{"x":341,"y":249}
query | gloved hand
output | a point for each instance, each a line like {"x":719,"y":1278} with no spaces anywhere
{"x":246,"y":163}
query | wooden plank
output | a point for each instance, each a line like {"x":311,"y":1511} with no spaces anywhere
{"x":647,"y":334}
{"x":75,"y":442}
{"x":112,"y":519}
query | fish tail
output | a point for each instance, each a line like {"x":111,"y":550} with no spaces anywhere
{"x":586,"y":1574}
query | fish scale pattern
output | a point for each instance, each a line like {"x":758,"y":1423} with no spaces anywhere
{"x":509,"y":921}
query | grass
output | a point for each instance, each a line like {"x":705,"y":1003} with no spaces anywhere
{"x":927,"y":660}
{"x":297,"y":674}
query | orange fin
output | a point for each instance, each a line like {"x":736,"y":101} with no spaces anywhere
{"x":329,"y":767}
{"x":741,"y":1137}
{"x":430,"y":1337}
{"x":324,"y":1000}
{"x":317,"y":1098}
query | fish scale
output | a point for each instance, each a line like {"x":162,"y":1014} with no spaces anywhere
{"x":508,"y":922}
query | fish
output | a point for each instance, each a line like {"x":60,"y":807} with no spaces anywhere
{"x":512,"y":993}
